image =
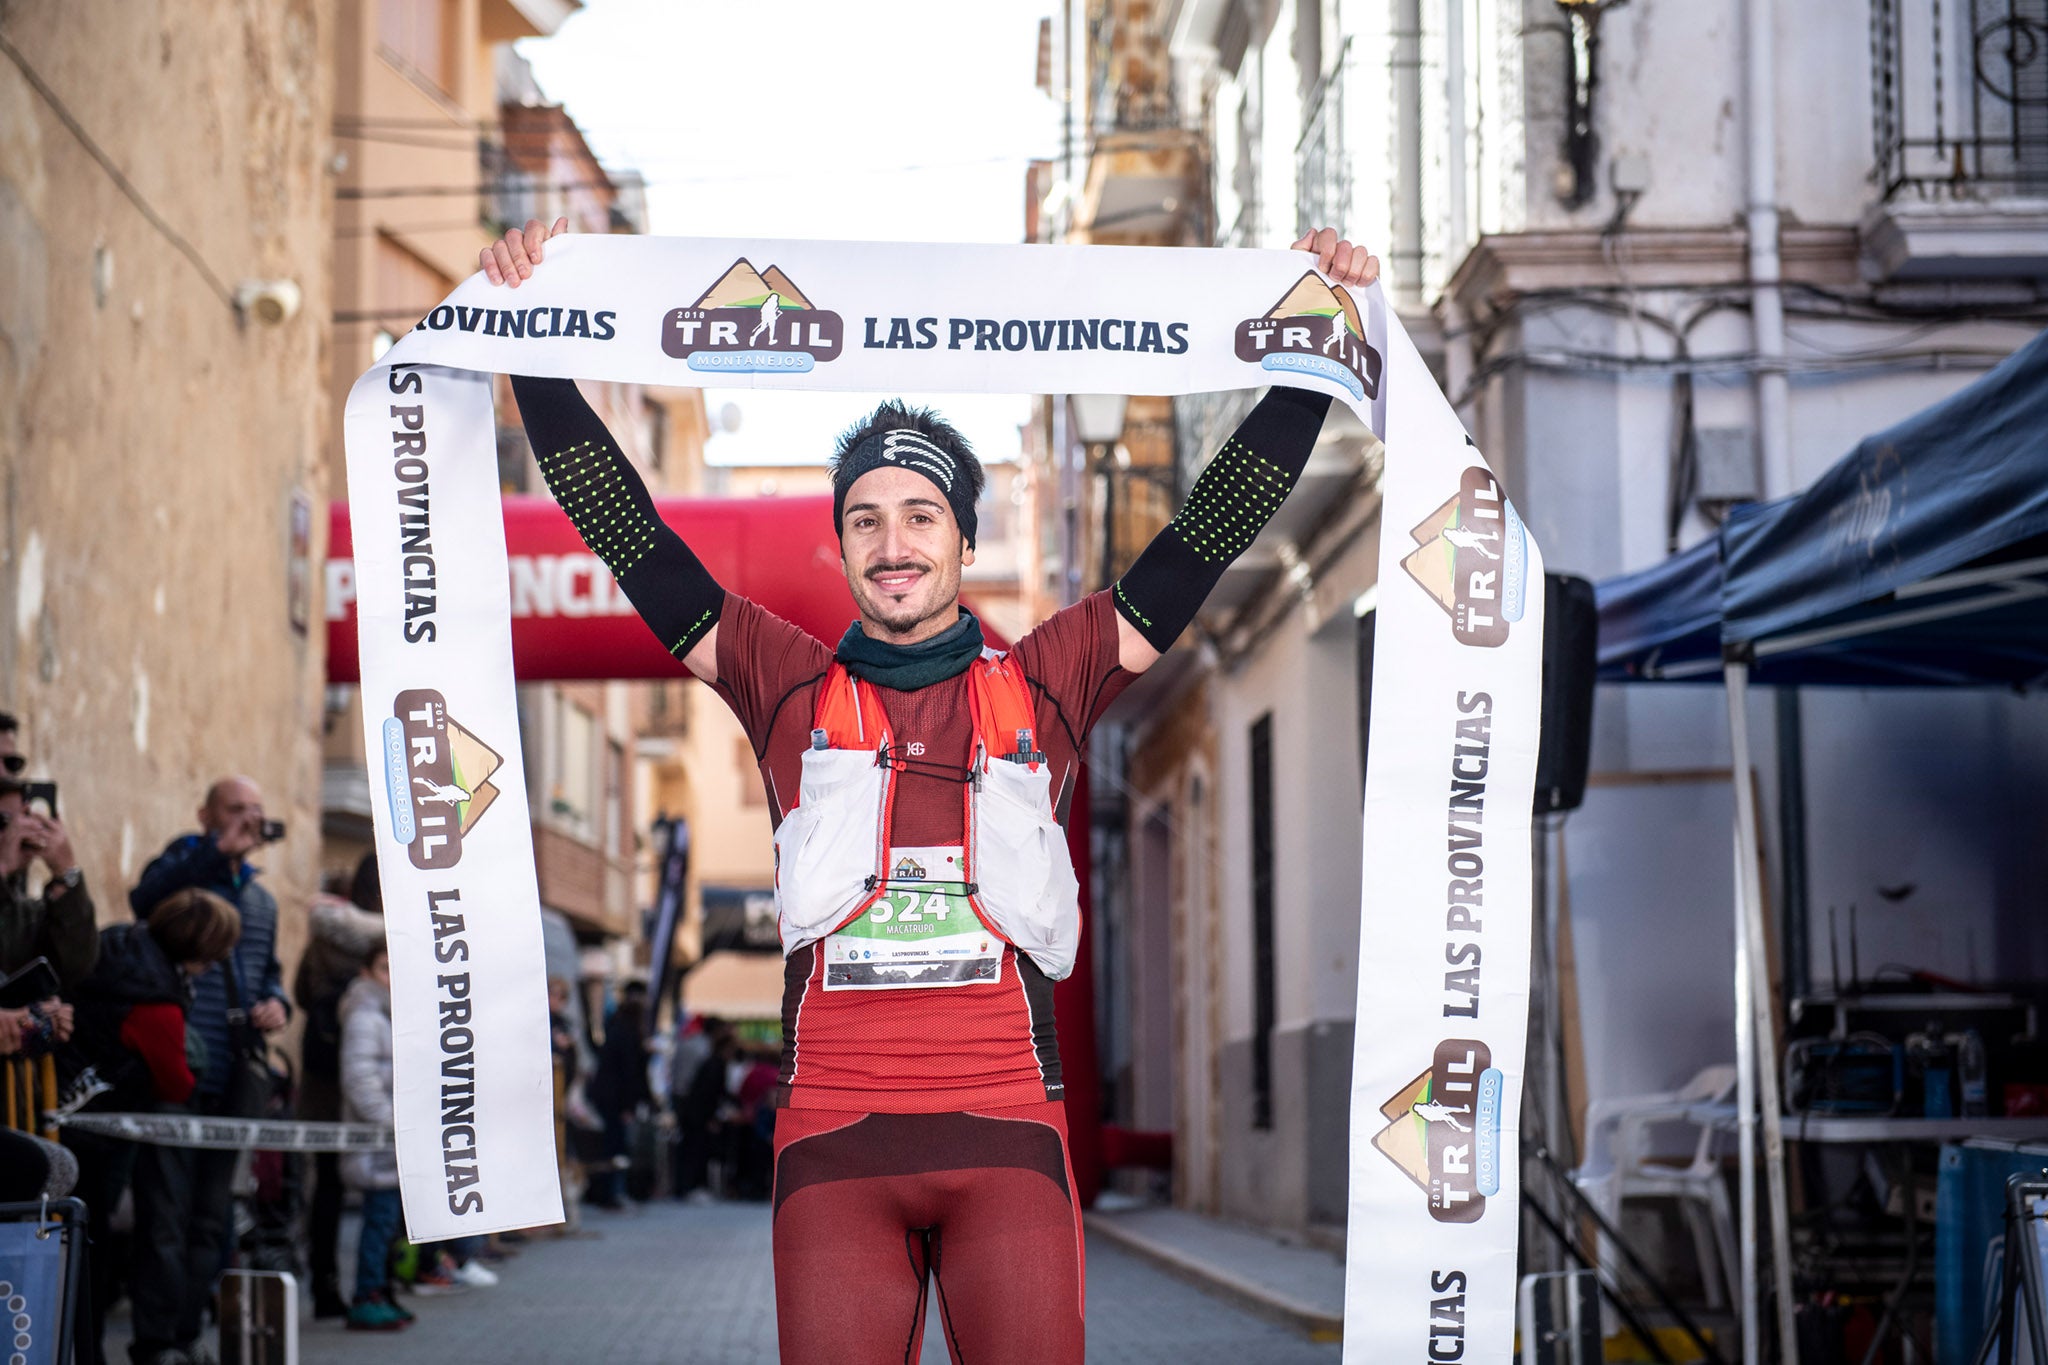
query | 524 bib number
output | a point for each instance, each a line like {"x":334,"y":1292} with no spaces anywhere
{"x":921,"y":932}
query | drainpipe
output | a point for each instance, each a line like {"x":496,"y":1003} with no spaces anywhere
{"x":1454,"y":110}
{"x":1767,"y":307}
{"x":1406,"y":255}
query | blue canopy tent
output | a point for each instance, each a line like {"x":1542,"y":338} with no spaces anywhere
{"x":1919,"y":559}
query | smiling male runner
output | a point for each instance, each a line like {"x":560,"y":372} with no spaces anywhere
{"x":926,"y":897}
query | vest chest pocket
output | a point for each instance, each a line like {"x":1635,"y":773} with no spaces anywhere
{"x":828,"y":847}
{"x":1022,"y":869}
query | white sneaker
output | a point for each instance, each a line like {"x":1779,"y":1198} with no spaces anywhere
{"x":476,"y":1275}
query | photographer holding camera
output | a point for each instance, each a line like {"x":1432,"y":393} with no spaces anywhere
{"x":235,"y":1003}
{"x":58,"y":922}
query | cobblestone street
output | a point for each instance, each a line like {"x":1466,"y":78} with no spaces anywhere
{"x":688,"y":1285}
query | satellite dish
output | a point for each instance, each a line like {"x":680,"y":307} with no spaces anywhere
{"x":729,"y":418}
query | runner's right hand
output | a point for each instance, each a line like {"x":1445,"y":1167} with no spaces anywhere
{"x":512,"y":257}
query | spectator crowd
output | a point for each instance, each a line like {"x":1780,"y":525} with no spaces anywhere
{"x":183,"y":1010}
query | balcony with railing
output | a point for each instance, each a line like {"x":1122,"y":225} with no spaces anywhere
{"x":1144,"y":181}
{"x":1959,"y":103}
{"x":1322,"y":171}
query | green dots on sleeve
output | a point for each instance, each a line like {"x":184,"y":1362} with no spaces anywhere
{"x":1233,"y":500}
{"x":587,"y":482}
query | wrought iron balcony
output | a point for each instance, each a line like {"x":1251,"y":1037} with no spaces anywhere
{"x":1322,"y":172}
{"x":1959,"y":95}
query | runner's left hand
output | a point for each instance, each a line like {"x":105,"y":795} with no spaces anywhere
{"x":1344,"y":263}
{"x":512,"y":257}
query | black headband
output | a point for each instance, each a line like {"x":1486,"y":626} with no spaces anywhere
{"x":916,"y":452}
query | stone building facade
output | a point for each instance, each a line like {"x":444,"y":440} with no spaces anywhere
{"x":163,"y":448}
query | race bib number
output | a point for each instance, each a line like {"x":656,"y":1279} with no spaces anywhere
{"x":921,"y":931}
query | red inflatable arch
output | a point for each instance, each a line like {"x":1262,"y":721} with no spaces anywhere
{"x":570,"y":621}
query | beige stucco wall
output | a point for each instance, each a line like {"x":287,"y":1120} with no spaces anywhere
{"x":151,"y":444}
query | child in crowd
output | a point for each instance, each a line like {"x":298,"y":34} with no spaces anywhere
{"x":366,"y":1098}
{"x":131,"y":1053}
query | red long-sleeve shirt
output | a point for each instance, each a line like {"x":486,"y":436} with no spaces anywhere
{"x":156,"y":1033}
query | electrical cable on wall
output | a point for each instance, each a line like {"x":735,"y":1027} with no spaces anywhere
{"x":114,"y":173}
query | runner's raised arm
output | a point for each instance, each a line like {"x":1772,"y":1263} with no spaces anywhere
{"x":1238,"y":493}
{"x":605,"y":497}
{"x":614,"y":513}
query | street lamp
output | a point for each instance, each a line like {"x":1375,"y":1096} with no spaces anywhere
{"x":1099,"y":417}
{"x":1099,"y":425}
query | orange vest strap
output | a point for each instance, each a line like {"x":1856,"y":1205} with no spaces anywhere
{"x":1000,"y":698}
{"x":850,"y":711}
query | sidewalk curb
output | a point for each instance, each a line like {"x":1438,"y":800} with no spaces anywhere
{"x":1312,"y":1322}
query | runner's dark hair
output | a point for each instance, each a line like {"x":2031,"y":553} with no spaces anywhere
{"x":894,"y":414}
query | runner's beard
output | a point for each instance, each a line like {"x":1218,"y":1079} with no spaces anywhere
{"x":935,"y":594}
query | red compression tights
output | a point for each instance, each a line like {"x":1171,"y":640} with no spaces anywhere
{"x":870,"y":1206}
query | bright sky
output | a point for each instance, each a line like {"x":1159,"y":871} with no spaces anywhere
{"x":896,"y":120}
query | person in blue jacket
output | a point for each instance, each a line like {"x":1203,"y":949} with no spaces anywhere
{"x":235,"y":1003}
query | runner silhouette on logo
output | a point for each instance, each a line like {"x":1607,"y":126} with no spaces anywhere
{"x":920,"y":1112}
{"x":771,"y":309}
{"x":1336,"y":341}
{"x":1465,"y":538}
{"x":1434,"y":1111}
{"x":450,"y":794}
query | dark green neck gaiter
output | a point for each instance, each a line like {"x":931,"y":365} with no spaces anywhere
{"x":905,"y":668}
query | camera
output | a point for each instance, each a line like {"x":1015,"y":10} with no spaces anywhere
{"x":45,"y":792}
{"x":273,"y":830}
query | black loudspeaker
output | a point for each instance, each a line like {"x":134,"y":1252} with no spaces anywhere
{"x":1571,"y":638}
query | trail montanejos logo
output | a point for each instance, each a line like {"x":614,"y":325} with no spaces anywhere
{"x":1443,"y":1130}
{"x":1315,"y":329}
{"x":752,"y":321}
{"x":1472,"y":558}
{"x":438,"y":777}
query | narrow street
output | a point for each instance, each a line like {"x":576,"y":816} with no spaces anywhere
{"x":677,"y":1284}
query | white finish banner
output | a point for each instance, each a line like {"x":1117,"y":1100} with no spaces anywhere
{"x":1455,"y":703}
{"x":1443,"y":978}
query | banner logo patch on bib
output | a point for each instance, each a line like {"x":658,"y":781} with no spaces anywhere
{"x":752,"y":322}
{"x":920,"y":931}
{"x":1472,"y":558}
{"x":1443,"y":1130}
{"x":1314,"y":329}
{"x":437,"y":775}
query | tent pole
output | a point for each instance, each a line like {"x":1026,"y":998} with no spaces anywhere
{"x":1762,"y":1056}
{"x":1745,"y":1114}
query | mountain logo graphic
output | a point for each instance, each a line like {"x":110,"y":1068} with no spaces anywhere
{"x":1443,"y":1130}
{"x":908,"y":869}
{"x":752,"y":322}
{"x":1315,"y":328}
{"x":438,"y":776}
{"x":1472,"y":557}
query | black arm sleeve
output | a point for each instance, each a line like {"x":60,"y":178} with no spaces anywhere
{"x":1227,"y":508}
{"x":609,"y":504}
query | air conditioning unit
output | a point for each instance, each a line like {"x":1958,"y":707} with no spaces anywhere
{"x":1726,"y":465}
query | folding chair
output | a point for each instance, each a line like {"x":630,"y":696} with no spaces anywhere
{"x":42,"y":1262}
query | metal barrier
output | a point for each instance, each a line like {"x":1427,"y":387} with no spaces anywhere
{"x":31,"y":1091}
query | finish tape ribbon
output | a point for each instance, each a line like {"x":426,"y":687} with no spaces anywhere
{"x":1456,"y":694}
{"x":231,"y":1135}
